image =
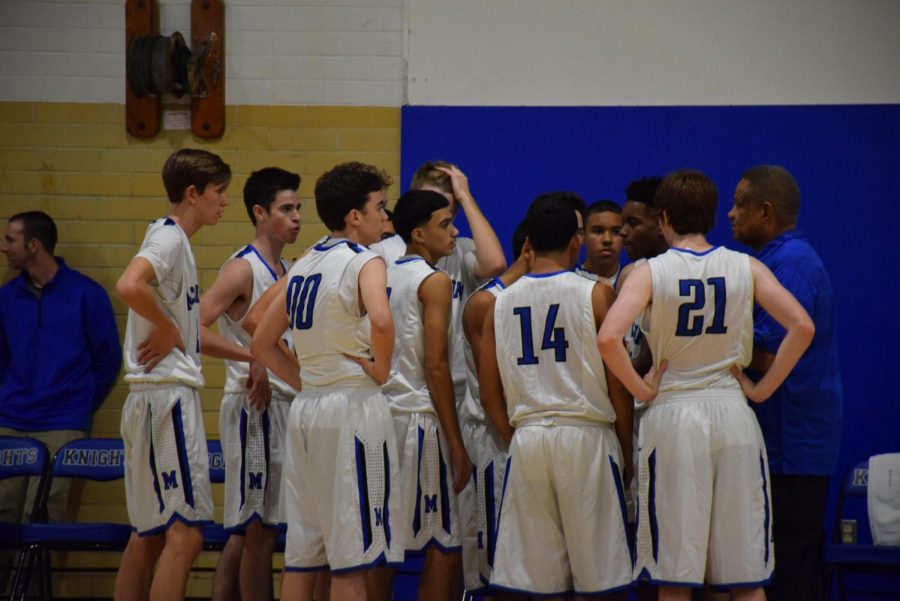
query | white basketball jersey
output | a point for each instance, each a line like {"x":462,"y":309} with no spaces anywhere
{"x":325,"y":317}
{"x":177,"y":293}
{"x":460,"y":266}
{"x":236,"y":372}
{"x":407,"y":388}
{"x":547,"y":349}
{"x":580,"y":270}
{"x":634,"y":337}
{"x":471,"y":409}
{"x":701,"y":317}
{"x":390,"y":249}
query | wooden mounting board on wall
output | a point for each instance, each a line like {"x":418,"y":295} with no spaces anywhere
{"x":208,"y":113}
{"x":141,"y":114}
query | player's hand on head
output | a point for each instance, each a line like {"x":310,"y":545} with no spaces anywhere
{"x":158,"y":344}
{"x":258,"y":388}
{"x":458,"y":181}
{"x":748,"y":386}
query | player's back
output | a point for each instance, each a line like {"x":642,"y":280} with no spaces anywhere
{"x":700,"y":318}
{"x":325,"y":316}
{"x":407,"y":387}
{"x":471,"y":409}
{"x":547,"y":352}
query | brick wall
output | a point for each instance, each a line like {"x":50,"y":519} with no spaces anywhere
{"x":76,"y":162}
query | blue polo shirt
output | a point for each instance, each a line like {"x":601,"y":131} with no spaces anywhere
{"x":801,"y":422}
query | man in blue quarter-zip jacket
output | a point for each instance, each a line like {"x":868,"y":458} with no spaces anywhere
{"x":59,"y":353}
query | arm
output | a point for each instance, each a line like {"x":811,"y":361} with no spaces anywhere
{"x":489,"y":257}
{"x":602,"y":299}
{"x":133,"y":288}
{"x":230,"y":293}
{"x":265,"y":346}
{"x":474,"y":314}
{"x":373,"y":292}
{"x":230,"y":289}
{"x":489,"y":381}
{"x":103,"y":344}
{"x":635,"y":295}
{"x":799,"y":328}
{"x":435,"y":296}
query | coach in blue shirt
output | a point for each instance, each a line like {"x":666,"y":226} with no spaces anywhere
{"x":801,"y":422}
{"x":59,"y":352}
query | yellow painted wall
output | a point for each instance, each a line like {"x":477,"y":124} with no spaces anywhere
{"x":101,"y":186}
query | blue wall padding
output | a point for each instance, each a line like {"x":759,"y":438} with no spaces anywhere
{"x":846,"y":159}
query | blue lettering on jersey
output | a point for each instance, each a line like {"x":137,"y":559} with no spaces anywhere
{"x":457,"y":290}
{"x":554,"y":338}
{"x":256,"y":480}
{"x":193,"y":296}
{"x":692,"y":325}
{"x":430,"y":503}
{"x":301,"y":300}
{"x":170,"y":480}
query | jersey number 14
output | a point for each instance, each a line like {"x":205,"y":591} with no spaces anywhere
{"x":554,"y":338}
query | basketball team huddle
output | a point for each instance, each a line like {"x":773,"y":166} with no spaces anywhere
{"x":544,"y":428}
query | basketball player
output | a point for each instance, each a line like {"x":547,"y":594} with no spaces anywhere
{"x":479,"y":503}
{"x":540,"y":351}
{"x":420,"y":392}
{"x":166,"y":460}
{"x":602,"y":242}
{"x":340,"y":454}
{"x":698,"y":301}
{"x":253,"y":416}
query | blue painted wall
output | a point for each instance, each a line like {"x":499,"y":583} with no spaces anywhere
{"x":846,"y":159}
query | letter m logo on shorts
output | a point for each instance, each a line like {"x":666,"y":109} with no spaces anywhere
{"x":379,"y":518}
{"x":255,"y":480}
{"x":430,"y":503}
{"x":170,"y":480}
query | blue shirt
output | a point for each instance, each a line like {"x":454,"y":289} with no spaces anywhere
{"x":801,"y":422}
{"x":59,"y":352}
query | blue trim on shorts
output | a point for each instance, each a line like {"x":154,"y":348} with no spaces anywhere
{"x":765,"y":490}
{"x":607,"y":591}
{"x":445,"y":489}
{"x":312,"y":569}
{"x":255,"y":517}
{"x":651,"y":505}
{"x":362,"y":483}
{"x":502,"y":498}
{"x":727,"y":587}
{"x":181,"y":445}
{"x":266,"y":427}
{"x":242,"y":433}
{"x":522,"y":591}
{"x":176,"y":517}
{"x":431,"y":542}
{"x":417,"y":512}
{"x":380,"y":560}
{"x":162,"y":505}
{"x":620,"y":493}
{"x":489,"y":513}
{"x":656,"y":582}
{"x":385,"y":510}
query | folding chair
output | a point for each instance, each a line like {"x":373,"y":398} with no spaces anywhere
{"x":96,"y":459}
{"x":21,"y":457}
{"x":214,"y":535}
{"x":844,"y":555}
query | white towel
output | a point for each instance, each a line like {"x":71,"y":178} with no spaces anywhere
{"x":884,"y":498}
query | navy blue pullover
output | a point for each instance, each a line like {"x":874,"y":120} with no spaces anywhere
{"x":59,"y":352}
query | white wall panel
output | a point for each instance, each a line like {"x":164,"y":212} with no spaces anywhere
{"x":347,"y":52}
{"x":643,"y":52}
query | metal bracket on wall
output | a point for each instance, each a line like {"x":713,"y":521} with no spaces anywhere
{"x":157,"y":65}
